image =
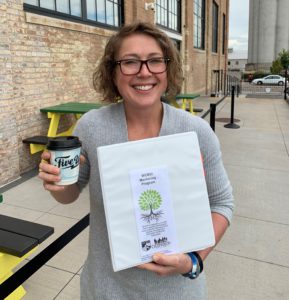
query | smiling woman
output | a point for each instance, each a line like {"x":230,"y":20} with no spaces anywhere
{"x":165,"y":52}
{"x":140,"y":65}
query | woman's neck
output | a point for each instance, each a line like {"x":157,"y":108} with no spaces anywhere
{"x":143,"y":123}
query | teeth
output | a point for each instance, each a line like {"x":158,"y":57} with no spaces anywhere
{"x":143,"y":87}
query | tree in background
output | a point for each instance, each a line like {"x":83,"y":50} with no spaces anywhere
{"x":281,"y":63}
{"x":276,"y":67}
{"x":284,"y":59}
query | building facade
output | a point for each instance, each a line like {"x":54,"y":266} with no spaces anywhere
{"x":49,"y":50}
{"x":268,"y":32}
{"x":237,"y":60}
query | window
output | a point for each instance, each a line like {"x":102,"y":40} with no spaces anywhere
{"x":168,"y":14}
{"x":215,"y":27}
{"x":96,"y":12}
{"x":224,"y":34}
{"x":199,"y":24}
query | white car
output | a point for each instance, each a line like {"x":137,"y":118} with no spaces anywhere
{"x":270,"y":79}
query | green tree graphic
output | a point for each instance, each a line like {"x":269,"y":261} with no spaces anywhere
{"x":150,"y":200}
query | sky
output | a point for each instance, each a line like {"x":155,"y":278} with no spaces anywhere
{"x":238,"y":24}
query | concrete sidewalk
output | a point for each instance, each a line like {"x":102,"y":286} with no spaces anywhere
{"x":252,"y":260}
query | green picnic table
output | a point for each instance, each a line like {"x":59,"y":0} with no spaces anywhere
{"x":71,"y":108}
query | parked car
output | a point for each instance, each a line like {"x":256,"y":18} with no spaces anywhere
{"x":270,"y":79}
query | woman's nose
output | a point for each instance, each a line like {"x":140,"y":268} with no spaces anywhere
{"x":144,"y":70}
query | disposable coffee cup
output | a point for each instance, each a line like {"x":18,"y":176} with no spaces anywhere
{"x":65,"y":154}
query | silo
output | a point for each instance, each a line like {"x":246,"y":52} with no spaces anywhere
{"x":268,"y":31}
{"x":282,"y":27}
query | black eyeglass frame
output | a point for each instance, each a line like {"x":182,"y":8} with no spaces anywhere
{"x":165,"y":59}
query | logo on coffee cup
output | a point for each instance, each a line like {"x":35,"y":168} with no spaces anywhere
{"x":65,"y":162}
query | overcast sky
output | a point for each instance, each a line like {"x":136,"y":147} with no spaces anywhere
{"x":238,"y":24}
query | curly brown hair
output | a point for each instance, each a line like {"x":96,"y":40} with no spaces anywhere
{"x":103,"y":76}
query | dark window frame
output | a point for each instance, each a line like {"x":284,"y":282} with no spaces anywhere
{"x":215,"y":27}
{"x":203,"y":25}
{"x":224,"y":34}
{"x":168,"y":10}
{"x":83,"y":19}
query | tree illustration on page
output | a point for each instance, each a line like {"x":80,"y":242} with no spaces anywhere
{"x":150,"y":200}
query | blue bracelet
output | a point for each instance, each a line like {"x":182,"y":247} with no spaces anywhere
{"x":200,"y":261}
{"x":195,"y":272}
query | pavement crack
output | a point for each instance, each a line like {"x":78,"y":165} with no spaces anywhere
{"x":252,"y":259}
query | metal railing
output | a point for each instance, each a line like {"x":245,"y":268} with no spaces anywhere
{"x":233,"y":87}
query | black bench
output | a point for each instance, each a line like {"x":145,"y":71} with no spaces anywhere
{"x":18,"y":237}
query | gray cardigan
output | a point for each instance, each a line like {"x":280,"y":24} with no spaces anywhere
{"x":98,"y":281}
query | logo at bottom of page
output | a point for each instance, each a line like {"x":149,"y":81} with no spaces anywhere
{"x":146,"y":245}
{"x":155,"y":244}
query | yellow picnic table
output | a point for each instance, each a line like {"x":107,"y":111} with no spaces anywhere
{"x":55,"y":112}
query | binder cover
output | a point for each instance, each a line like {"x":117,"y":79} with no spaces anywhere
{"x":155,"y":198}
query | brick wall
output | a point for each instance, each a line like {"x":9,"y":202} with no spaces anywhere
{"x":9,"y":159}
{"x":46,"y":61}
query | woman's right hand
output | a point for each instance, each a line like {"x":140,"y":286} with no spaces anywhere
{"x":49,"y":174}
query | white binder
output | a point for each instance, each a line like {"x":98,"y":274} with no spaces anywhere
{"x":180,"y":156}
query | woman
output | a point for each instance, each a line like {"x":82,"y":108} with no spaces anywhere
{"x":140,"y":65}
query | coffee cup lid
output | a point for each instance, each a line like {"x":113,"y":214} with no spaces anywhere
{"x":63,"y":143}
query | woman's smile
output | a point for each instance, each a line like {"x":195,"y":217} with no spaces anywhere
{"x":144,"y":87}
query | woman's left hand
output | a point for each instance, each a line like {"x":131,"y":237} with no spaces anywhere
{"x":165,"y":265}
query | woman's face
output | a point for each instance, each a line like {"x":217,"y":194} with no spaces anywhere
{"x":145,"y":88}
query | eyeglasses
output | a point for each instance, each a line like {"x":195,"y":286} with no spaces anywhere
{"x":156,"y":65}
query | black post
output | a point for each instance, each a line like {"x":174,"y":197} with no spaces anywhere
{"x":212,"y":115}
{"x":285,"y":89}
{"x":232,"y":124}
